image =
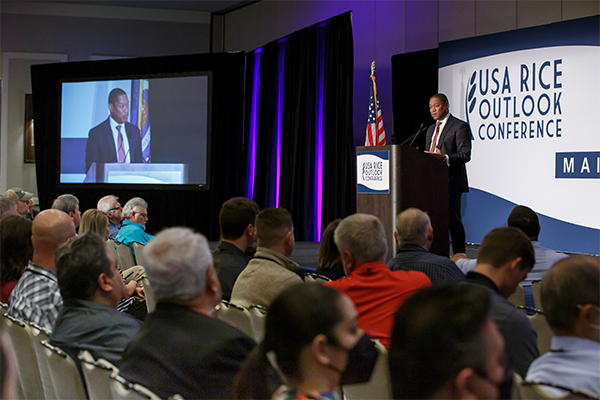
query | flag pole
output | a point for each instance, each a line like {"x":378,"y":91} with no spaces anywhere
{"x":374,"y":89}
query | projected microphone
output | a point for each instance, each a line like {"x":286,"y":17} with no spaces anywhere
{"x":413,"y":137}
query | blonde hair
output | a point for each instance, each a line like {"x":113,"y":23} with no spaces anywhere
{"x":94,"y":220}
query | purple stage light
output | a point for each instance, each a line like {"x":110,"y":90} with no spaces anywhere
{"x":253,"y":126}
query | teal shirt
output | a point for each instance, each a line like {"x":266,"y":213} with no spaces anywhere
{"x":132,"y":232}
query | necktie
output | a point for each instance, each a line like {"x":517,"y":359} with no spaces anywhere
{"x":120,"y":146}
{"x":437,"y":132}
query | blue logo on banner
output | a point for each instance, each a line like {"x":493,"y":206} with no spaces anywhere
{"x":372,"y":172}
{"x":578,"y":165}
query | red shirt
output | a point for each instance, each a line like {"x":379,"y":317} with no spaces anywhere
{"x":377,"y":293}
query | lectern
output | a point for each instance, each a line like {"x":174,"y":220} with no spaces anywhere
{"x":393,"y":178}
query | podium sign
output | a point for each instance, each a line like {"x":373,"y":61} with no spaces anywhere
{"x":373,"y":172}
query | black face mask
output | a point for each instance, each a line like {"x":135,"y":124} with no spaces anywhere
{"x":361,"y":362}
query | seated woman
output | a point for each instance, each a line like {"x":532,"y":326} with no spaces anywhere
{"x":310,"y":332}
{"x":330,"y":261}
{"x":17,"y":250}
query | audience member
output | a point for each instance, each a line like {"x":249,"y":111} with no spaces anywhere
{"x":135,"y":214}
{"x":17,"y":250}
{"x":330,"y":261}
{"x":36,"y":298}
{"x":376,"y":291}
{"x":505,"y":257}
{"x":111,"y":206}
{"x":445,"y":346}
{"x":571,"y":300}
{"x":182,"y":348}
{"x":236,"y":219}
{"x":32,"y":213}
{"x":270,"y":271}
{"x":311,"y":330}
{"x":22,"y":198}
{"x":8,"y":206}
{"x":91,"y":287}
{"x":414,"y":235}
{"x":69,"y":204}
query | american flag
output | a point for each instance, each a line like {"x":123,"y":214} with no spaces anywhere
{"x":375,"y":132}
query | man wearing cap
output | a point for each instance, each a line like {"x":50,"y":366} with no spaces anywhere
{"x":22,"y":198}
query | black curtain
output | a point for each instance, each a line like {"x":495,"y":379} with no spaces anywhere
{"x":318,"y":67}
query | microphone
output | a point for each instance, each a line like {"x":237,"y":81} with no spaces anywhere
{"x":413,"y":137}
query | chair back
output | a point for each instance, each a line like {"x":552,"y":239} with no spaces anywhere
{"x":311,"y":277}
{"x":121,"y":389}
{"x":518,"y":297}
{"x":237,"y":316}
{"x":536,"y":290}
{"x":97,"y":376}
{"x":543,"y":331}
{"x":138,"y":249}
{"x":37,"y":336}
{"x":110,"y":243}
{"x":124,"y":256}
{"x":64,"y":372}
{"x":535,"y":390}
{"x":30,"y":383}
{"x":258,"y":314}
{"x":379,"y":387}
{"x":149,"y":295}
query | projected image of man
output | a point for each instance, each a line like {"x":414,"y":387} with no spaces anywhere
{"x":449,"y":140}
{"x":115,"y":140}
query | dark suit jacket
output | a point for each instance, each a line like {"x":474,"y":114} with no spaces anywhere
{"x":455,"y":141}
{"x":100,"y":146}
{"x":180,"y":351}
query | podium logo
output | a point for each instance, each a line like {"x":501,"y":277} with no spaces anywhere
{"x":373,"y":172}
{"x":522,"y":103}
{"x":578,"y":165}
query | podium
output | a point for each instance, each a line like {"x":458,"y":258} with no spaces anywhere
{"x":393,"y":178}
{"x":160,"y":174}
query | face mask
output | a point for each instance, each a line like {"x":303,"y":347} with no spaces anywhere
{"x":361,"y":362}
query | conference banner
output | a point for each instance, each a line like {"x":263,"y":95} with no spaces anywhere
{"x":531,"y":97}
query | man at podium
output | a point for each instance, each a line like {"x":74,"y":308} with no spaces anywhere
{"x":449,"y":140}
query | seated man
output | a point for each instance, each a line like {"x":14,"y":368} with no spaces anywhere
{"x":270,"y":271}
{"x":376,"y":291}
{"x":91,"y":287}
{"x":111,"y":206}
{"x":36,"y":298}
{"x":182,"y":348}
{"x":505,"y":257}
{"x":135,"y":214}
{"x":571,"y":300}
{"x":236,"y":219}
{"x":414,"y":235}
{"x":445,"y":346}
{"x":70,"y":205}
{"x":22,"y":198}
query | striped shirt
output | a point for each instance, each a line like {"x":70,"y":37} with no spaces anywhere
{"x":36,"y":298}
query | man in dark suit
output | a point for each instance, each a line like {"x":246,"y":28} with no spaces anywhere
{"x":182,"y":348}
{"x":449,"y":140}
{"x":114,"y":140}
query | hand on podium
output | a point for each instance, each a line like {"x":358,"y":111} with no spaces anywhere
{"x":437,"y":154}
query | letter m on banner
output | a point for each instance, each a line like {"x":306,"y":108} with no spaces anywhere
{"x":140,"y":114}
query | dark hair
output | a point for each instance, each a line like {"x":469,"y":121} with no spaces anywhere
{"x":571,"y":281}
{"x":235,"y":216}
{"x":525,"y":219}
{"x":502,"y":245}
{"x":295,"y":318}
{"x":16,"y":246}
{"x":329,"y":255}
{"x":7,"y":205}
{"x":441,"y":96}
{"x":79,"y":262}
{"x":438,"y":331}
{"x":272,"y":224}
{"x":114,"y":94}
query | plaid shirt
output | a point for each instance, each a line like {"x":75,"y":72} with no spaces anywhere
{"x":36,"y":298}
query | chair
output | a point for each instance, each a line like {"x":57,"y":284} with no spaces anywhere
{"x":121,"y":389}
{"x":258,"y":314}
{"x":237,"y":316}
{"x":536,"y":289}
{"x":138,"y":249}
{"x":111,"y":246}
{"x":37,"y":336}
{"x":97,"y":376}
{"x":149,"y":295}
{"x":543,"y":331}
{"x":30,"y":383}
{"x":124,"y":256}
{"x":379,"y":387}
{"x":311,"y":277}
{"x":64,"y":372}
{"x":518,"y":297}
{"x":4,"y":307}
{"x":536,"y":390}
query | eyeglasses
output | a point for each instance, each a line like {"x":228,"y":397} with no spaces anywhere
{"x":142,"y":214}
{"x":114,"y":208}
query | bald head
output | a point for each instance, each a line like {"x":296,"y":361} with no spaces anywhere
{"x":51,"y":228}
{"x":413,"y":226}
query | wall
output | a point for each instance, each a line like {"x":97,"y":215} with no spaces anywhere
{"x":35,"y":33}
{"x":385,"y":28}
